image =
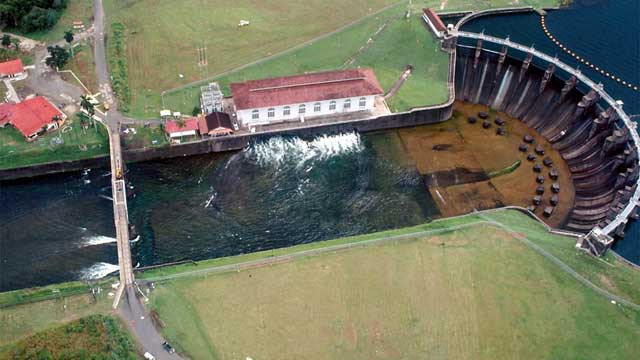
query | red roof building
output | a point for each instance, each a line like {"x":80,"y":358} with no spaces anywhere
{"x":434,"y":21}
{"x":11,"y":68}
{"x":5,"y":113}
{"x":278,"y":99}
{"x":297,"y":89}
{"x":187,"y":127}
{"x":32,"y":116}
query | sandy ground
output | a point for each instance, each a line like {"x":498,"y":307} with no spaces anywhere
{"x":455,"y":158}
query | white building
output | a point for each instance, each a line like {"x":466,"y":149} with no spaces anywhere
{"x":210,"y":98}
{"x":294,"y":98}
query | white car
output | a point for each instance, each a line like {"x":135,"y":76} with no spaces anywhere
{"x":148,"y":356}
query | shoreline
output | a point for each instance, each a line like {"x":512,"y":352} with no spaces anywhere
{"x":193,"y":267}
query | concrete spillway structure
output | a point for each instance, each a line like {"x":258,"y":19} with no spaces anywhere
{"x":590,"y":130}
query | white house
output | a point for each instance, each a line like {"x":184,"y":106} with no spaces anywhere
{"x":268,"y":101}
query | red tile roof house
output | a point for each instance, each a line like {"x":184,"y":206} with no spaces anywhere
{"x":180,"y":129}
{"x":32,"y":117}
{"x":435,"y":23}
{"x":293,"y":98}
{"x":11,"y":69}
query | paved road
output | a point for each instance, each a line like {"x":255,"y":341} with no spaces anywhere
{"x":131,"y":310}
{"x":140,"y":323}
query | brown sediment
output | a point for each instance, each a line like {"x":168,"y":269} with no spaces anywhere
{"x":456,"y":157}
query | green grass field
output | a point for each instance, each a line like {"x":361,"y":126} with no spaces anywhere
{"x":78,"y":143}
{"x":162,"y":38}
{"x":475,"y":292}
{"x":92,"y":337}
{"x":400,"y":43}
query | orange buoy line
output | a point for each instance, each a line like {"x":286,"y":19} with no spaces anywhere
{"x":583,"y":60}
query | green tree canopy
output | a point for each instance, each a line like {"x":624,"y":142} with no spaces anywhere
{"x":58,"y":57}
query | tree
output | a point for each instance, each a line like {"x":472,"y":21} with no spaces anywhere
{"x":58,"y":57}
{"x":68,"y":37}
{"x":86,"y":104}
{"x":195,"y":111}
{"x":16,"y":43}
{"x":6,"y":40}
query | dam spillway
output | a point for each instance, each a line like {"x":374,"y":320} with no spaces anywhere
{"x":597,"y":147}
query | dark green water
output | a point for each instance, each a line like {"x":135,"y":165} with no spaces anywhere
{"x":277,"y":193}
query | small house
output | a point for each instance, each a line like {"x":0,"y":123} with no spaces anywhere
{"x":32,"y":117}
{"x":178,"y":130}
{"x":11,"y":69}
{"x":215,"y":124}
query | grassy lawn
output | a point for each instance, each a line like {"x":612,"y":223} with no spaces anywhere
{"x":77,"y":10}
{"x":19,"y":320}
{"x":401,"y":42}
{"x":474,"y":293}
{"x":77,"y":143}
{"x":144,"y":137}
{"x":82,"y":65}
{"x":95,"y":337}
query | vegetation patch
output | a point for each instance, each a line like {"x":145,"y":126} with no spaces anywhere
{"x":77,"y":139}
{"x":118,"y":65}
{"x":83,"y":67}
{"x":92,"y":337}
{"x":73,"y":10}
{"x":474,"y":292}
{"x":507,"y":170}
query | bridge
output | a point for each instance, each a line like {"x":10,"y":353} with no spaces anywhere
{"x":622,"y":217}
{"x":120,"y":212}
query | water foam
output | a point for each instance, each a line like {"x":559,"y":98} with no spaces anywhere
{"x":98,"y":271}
{"x":97,"y":240}
{"x":279,"y":150}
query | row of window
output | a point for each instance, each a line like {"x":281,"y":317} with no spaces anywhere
{"x":302,"y":108}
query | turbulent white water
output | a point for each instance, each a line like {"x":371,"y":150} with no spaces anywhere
{"x":96,"y":240}
{"x":98,"y":271}
{"x":279,"y":150}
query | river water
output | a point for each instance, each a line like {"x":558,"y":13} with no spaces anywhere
{"x":277,"y":193}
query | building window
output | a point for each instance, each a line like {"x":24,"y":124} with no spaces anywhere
{"x":255,"y":114}
{"x":302,"y":109}
{"x":347,"y":104}
{"x":332,"y":105}
{"x":316,"y":107}
{"x":286,"y":111}
{"x":363,"y":102}
{"x":271,"y":112}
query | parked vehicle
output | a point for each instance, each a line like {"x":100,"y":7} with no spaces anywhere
{"x":148,"y":356}
{"x":168,"y":347}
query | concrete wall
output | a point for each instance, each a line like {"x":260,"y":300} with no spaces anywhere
{"x":236,"y":142}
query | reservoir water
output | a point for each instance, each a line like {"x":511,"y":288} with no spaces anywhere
{"x":277,"y":193}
